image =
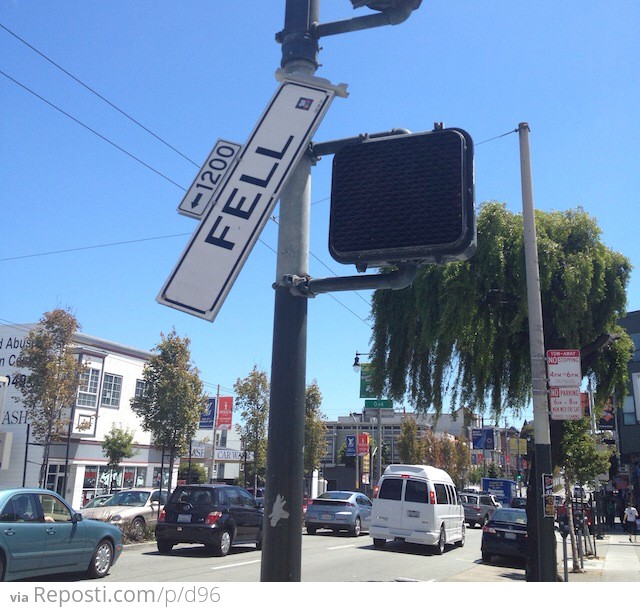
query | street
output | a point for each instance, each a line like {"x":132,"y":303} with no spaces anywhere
{"x":326,"y":557}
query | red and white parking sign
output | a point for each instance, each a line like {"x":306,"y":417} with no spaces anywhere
{"x":225,"y":407}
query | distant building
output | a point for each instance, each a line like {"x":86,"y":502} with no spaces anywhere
{"x":628,"y":416}
{"x":385,"y":427}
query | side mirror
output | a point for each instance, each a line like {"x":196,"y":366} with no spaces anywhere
{"x":76,"y":517}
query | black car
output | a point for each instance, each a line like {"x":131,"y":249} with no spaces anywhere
{"x":505,"y":534}
{"x":217,"y":516}
{"x":518,"y":502}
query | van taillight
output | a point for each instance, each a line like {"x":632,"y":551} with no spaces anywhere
{"x":432,"y":497}
{"x":212,"y":518}
{"x":376,"y":489}
{"x":161,"y":516}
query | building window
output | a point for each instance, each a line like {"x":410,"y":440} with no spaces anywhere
{"x":629,"y":411}
{"x":102,"y":480}
{"x":636,"y":343}
{"x":88,"y":389}
{"x":141,"y":387}
{"x":111,"y":389}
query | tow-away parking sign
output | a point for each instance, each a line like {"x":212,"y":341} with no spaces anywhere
{"x":214,"y":256}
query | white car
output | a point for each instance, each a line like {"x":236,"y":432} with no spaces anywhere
{"x":137,"y":507}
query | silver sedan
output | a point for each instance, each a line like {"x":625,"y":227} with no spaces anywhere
{"x":339,"y":510}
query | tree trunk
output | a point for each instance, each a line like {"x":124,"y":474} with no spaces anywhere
{"x":572,"y":532}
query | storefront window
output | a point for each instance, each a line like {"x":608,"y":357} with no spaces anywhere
{"x":103,"y":480}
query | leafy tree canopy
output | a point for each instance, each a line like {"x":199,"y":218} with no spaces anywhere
{"x":460,"y":331}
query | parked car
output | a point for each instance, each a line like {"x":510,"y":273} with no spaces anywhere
{"x":137,"y":507}
{"x":338,"y":510}
{"x":478,"y":507}
{"x":214,"y":515}
{"x":505,"y":534}
{"x":97,"y":501}
{"x":518,"y":502}
{"x":41,"y":534}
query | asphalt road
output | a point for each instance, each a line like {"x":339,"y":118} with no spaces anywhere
{"x":326,"y":557}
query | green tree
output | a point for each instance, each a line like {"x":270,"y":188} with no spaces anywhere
{"x":195,"y":473}
{"x":117,"y":445}
{"x":582,"y":461}
{"x":411,"y":450}
{"x":252,"y":401}
{"x":51,"y":386}
{"x":315,"y":429}
{"x":172,"y":401}
{"x":460,"y":331}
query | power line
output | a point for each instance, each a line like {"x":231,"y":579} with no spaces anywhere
{"x":120,"y":148}
{"x":86,"y":86}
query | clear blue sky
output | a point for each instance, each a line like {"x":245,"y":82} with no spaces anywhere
{"x":85,"y":225}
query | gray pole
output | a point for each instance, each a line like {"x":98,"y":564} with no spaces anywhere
{"x":282,"y":530}
{"x":542,"y":437}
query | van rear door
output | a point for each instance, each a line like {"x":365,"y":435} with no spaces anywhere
{"x":417,"y":513}
{"x":388,"y":512}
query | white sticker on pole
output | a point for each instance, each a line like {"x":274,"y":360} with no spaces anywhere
{"x":209,"y":179}
{"x":224,"y":238}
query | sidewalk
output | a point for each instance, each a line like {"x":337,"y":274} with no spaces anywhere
{"x":617,"y":560}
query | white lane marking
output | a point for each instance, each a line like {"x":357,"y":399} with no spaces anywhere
{"x":253,"y":561}
{"x":340,"y":547}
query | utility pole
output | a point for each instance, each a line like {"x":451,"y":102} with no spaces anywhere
{"x":282,"y":530}
{"x":546,"y":541}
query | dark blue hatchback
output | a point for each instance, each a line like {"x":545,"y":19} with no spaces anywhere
{"x":505,"y":534}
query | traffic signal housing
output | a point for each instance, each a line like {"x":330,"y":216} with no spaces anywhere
{"x":404,"y":198}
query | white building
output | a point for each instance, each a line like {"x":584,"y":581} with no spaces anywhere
{"x":112,"y":378}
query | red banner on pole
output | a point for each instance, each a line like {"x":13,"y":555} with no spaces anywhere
{"x":225,"y":407}
{"x":363,"y":443}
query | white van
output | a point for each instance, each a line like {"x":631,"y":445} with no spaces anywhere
{"x":417,"y":504}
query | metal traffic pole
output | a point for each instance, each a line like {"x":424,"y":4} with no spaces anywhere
{"x":282,"y":531}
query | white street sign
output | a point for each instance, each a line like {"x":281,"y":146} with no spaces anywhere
{"x":224,"y":238}
{"x":564,"y":367}
{"x":209,"y":179}
{"x":565,"y":403}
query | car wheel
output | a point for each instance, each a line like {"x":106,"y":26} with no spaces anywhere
{"x":356,"y":528}
{"x":164,"y":546}
{"x":486,"y":557}
{"x":460,"y":543}
{"x":311,"y":529}
{"x":137,"y":528}
{"x":101,"y":559}
{"x":379,"y":543}
{"x":441,"y":542}
{"x":223,"y":544}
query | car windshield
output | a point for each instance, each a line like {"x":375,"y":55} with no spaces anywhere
{"x":128,"y":499}
{"x":96,"y":502}
{"x":510,"y":516}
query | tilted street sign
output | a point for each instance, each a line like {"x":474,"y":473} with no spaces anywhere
{"x":224,"y":238}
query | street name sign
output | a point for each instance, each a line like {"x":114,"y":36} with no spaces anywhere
{"x":378,"y":403}
{"x":225,"y":236}
{"x":209,"y":179}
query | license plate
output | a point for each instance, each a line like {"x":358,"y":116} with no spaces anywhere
{"x":326,"y":516}
{"x":510,"y":535}
{"x":183,"y":518}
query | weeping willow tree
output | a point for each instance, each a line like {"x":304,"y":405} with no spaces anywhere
{"x":460,"y":333}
